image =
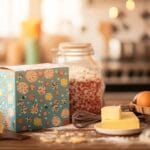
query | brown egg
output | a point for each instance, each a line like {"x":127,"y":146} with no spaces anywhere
{"x":143,"y":99}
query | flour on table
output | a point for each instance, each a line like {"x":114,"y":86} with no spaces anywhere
{"x":115,"y":139}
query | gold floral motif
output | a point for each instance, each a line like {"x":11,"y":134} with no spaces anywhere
{"x":31,"y":76}
{"x":22,"y":88}
{"x":56,"y":121}
{"x":64,"y":82}
{"x":37,"y":121}
{"x":65,"y":113}
{"x":48,"y":73}
{"x":48,"y":96}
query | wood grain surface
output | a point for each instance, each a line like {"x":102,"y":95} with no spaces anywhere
{"x":35,"y":142}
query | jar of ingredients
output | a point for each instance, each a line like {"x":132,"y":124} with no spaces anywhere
{"x":86,"y":81}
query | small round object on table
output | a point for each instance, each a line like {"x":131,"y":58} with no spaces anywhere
{"x":143,"y":99}
{"x":141,"y":102}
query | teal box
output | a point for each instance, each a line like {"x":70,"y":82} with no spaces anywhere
{"x":34,"y":96}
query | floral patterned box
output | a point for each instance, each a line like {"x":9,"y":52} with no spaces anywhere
{"x":34,"y":96}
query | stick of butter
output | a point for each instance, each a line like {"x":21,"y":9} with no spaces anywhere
{"x":113,"y":118}
{"x":111,"y":113}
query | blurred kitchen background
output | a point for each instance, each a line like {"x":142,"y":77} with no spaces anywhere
{"x":119,"y":30}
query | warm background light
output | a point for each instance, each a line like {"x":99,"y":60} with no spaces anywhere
{"x":130,"y":4}
{"x":113,"y":12}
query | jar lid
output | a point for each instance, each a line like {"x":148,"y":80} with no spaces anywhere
{"x":72,"y":48}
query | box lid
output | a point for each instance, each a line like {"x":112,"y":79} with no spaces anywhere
{"x":31,"y":67}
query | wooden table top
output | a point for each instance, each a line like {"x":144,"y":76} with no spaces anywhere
{"x":94,"y":141}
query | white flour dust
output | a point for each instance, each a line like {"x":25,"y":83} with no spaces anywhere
{"x":116,"y":140}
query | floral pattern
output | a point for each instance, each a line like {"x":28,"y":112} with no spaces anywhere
{"x":34,"y":109}
{"x":48,"y":96}
{"x":64,"y":82}
{"x":22,"y":88}
{"x":65,"y":113}
{"x":37,"y":121}
{"x":31,"y":97}
{"x":56,"y":121}
{"x":41,"y":90}
{"x":38,"y":99}
{"x":48,"y":74}
{"x":31,"y":76}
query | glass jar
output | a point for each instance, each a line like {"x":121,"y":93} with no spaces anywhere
{"x":86,"y":86}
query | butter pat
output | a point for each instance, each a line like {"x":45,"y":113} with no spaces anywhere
{"x":111,"y":113}
{"x":128,"y":121}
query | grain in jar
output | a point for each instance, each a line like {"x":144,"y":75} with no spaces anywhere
{"x":86,"y":80}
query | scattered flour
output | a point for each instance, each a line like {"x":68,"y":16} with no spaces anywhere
{"x":115,"y":140}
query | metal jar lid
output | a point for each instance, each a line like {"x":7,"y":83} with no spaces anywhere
{"x":72,"y":48}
